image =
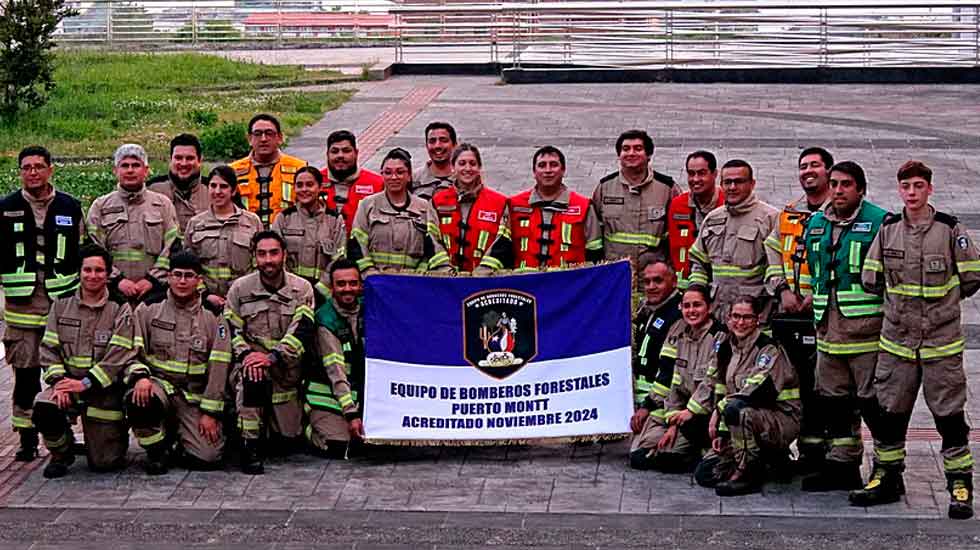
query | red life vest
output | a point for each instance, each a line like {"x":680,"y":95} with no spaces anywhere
{"x":566,"y":232}
{"x":682,"y":231}
{"x":479,"y":229}
{"x":366,"y":184}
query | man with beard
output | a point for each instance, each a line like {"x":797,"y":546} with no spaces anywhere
{"x":270,"y":313}
{"x":345,"y":182}
{"x":336,"y":381}
{"x":182,"y":185}
{"x":437,"y":173}
{"x":788,"y":280}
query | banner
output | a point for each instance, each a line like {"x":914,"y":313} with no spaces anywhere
{"x":484,"y":360}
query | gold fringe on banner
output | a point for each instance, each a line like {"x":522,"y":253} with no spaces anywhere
{"x":542,"y":441}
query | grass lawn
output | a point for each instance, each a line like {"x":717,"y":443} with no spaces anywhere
{"x":105,"y":99}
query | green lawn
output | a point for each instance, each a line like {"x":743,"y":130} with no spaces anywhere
{"x":105,"y":99}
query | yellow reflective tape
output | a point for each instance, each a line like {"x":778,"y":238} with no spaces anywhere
{"x":103,"y":414}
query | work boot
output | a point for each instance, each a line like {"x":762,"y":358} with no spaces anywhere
{"x":884,"y":487}
{"x":252,"y":458}
{"x":835,"y":476}
{"x":58,"y":467}
{"x":960,"y":487}
{"x":747,"y":482}
{"x":28,"y":446}
{"x":809,"y":462}
{"x":156,"y":460}
{"x":779,"y":466}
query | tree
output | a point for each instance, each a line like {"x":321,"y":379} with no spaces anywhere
{"x":26,"y":57}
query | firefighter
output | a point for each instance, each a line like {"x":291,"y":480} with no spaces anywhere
{"x":729,"y":253}
{"x":183,"y":184}
{"x":686,"y":212}
{"x":265,"y":176}
{"x":43,"y":229}
{"x":788,"y":280}
{"x":758,"y":417}
{"x":270,"y":312}
{"x":631,"y":203}
{"x":651,"y":323}
{"x":438,"y":172}
{"x":221,"y":237}
{"x":177,"y":382}
{"x":335,"y":383}
{"x":395,"y":230}
{"x":551,"y":225}
{"x":472,"y":217}
{"x":137,"y":226}
{"x":88,"y":341}
{"x":315,"y":234}
{"x":345,"y":183}
{"x":848,"y":321}
{"x":924,"y":262}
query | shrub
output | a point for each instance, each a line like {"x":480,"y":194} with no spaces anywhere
{"x":226,"y":141}
{"x":202,"y":117}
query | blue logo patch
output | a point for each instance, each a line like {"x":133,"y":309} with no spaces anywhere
{"x":764,"y":360}
{"x":862,"y":227}
{"x":63,"y":221}
{"x":658,"y":323}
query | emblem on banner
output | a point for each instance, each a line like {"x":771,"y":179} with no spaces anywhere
{"x":500,"y":329}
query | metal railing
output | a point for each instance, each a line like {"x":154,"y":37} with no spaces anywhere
{"x":699,"y":34}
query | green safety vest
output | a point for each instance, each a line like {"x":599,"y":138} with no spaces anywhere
{"x":838,"y":267}
{"x":318,"y":391}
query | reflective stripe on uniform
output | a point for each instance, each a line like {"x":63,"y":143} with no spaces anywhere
{"x":924,"y":352}
{"x":925,"y":291}
{"x":639,"y":239}
{"x":849,"y":348}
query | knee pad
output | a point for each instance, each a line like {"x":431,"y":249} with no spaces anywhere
{"x":954,"y":430}
{"x":49,"y":419}
{"x":733,"y":411}
{"x":256,"y":394}
{"x":27,"y":384}
{"x":149,"y":416}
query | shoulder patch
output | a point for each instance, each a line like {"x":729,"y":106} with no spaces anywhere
{"x":892,"y":218}
{"x":861,"y":227}
{"x":963,"y":242}
{"x":947,"y":219}
{"x":764,"y":360}
{"x":664,"y":179}
{"x":609,"y":177}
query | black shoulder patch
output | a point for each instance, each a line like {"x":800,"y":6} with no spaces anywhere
{"x":157,"y":179}
{"x":608,"y":177}
{"x":947,"y":219}
{"x":891,"y":218}
{"x":764,"y":341}
{"x":291,"y":209}
{"x":664,"y":179}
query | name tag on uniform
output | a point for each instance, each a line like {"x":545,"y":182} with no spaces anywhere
{"x":69,"y":322}
{"x":364,"y":189}
{"x":818,"y":231}
{"x":294,"y":232}
{"x":658,"y":323}
{"x":682,"y":216}
{"x":113,"y":210}
{"x":862,"y":227}
{"x":809,"y":340}
{"x":894,"y":253}
{"x":163,"y":324}
{"x":287,"y":169}
{"x":13,"y":214}
{"x":102,"y":337}
{"x":522,"y":209}
{"x":487,"y":216}
{"x":62,"y":220}
{"x":574,"y":211}
{"x":446,"y":208}
{"x":720,"y":220}
{"x":613,"y":200}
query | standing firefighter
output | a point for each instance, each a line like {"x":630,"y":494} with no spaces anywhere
{"x":788,"y":279}
{"x":687,"y":211}
{"x":924,"y":262}
{"x":42,"y":229}
{"x":848,"y":322}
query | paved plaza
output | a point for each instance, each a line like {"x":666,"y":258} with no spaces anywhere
{"x":551,"y":486}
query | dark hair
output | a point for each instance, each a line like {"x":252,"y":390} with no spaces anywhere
{"x":92,"y":250}
{"x":34,"y":151}
{"x":186,"y":259}
{"x":266,"y":117}
{"x":915,"y":168}
{"x":548,"y":150}
{"x":462,"y":148}
{"x":399,"y":154}
{"x":441,"y":126}
{"x":753,"y":301}
{"x":341,"y":135}
{"x":854,"y":170}
{"x":226,"y":173}
{"x":703,"y":290}
{"x":739,"y":163}
{"x":343,"y":263}
{"x":648,"y":260}
{"x":317,"y":175}
{"x":267,"y":234}
{"x":706,"y":155}
{"x":186,"y":140}
{"x":825,"y":156}
{"x":635,"y":134}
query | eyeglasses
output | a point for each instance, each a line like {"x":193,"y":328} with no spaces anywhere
{"x":33,"y":167}
{"x":743,"y":317}
{"x":186,"y":275}
{"x":264,"y":133}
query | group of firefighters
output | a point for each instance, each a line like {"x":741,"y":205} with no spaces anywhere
{"x":199,"y":310}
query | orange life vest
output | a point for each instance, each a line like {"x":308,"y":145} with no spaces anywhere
{"x":566,"y":232}
{"x":792,"y":225}
{"x":682,"y":231}
{"x":366,"y":184}
{"x":482,"y":222}
{"x":279,"y":193}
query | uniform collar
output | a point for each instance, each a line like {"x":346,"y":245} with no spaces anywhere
{"x":697,"y":334}
{"x":347,"y":313}
{"x":803,"y":205}
{"x":190,"y":305}
{"x":468,"y":196}
{"x":133,"y":197}
{"x":257,"y":164}
{"x":429,"y":177}
{"x":38,"y":201}
{"x":743,"y":207}
{"x":929,"y":220}
{"x":98,"y":305}
{"x":692,"y":201}
{"x":748,"y":341}
{"x":561,"y":201}
{"x":831,"y":214}
{"x":656,"y":308}
{"x":349,"y":180}
{"x":635,"y":188}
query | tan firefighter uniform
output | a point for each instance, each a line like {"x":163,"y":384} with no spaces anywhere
{"x":924,"y":272}
{"x":187,"y":202}
{"x":267,"y":188}
{"x":313,"y":242}
{"x":762,"y":395}
{"x":94,"y":344}
{"x":223,"y":245}
{"x":694,"y":352}
{"x":279,"y":323}
{"x":185,"y":351}
{"x":633,"y":218}
{"x":730,"y":255}
{"x":138,"y":229}
{"x":388,"y":238}
{"x":334,"y":388}
{"x":425,"y":184}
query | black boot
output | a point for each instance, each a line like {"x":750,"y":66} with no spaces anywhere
{"x":748,"y":482}
{"x":835,"y":476}
{"x":157,"y":459}
{"x":884,"y":487}
{"x":252,"y":457}
{"x":960,"y":487}
{"x":28,"y":445}
{"x":58,"y":467}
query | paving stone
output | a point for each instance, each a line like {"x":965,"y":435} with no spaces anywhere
{"x":253,"y":517}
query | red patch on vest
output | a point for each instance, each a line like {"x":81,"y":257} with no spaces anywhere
{"x":574,"y":211}
{"x":487,"y":216}
{"x":364,"y":189}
